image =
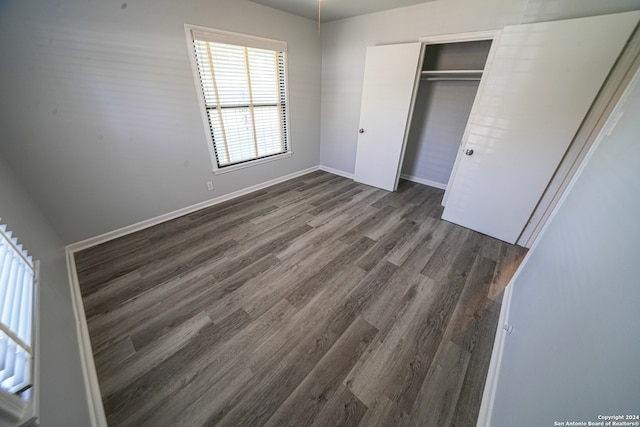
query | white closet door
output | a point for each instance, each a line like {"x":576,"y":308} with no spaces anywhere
{"x":534,"y":95}
{"x":389,"y":79}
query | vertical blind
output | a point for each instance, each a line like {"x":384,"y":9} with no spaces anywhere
{"x":17,"y":275}
{"x":245,"y":100}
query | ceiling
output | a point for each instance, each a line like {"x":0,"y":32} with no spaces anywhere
{"x":335,"y":9}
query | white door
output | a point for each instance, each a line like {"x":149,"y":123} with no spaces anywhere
{"x":535,"y":92}
{"x":389,"y":80}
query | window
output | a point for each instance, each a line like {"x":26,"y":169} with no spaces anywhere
{"x":242,"y":82}
{"x":17,"y":290}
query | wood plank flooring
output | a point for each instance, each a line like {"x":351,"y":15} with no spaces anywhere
{"x":315,"y":302}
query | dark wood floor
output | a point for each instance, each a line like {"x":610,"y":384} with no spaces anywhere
{"x":315,"y":302}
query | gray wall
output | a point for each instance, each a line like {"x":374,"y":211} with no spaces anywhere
{"x":440,"y":115}
{"x":573,"y":354}
{"x":101,"y":127}
{"x":344,"y":43}
{"x":100,"y":117}
{"x":63,"y":400}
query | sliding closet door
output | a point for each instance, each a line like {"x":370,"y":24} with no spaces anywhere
{"x":389,"y":81}
{"x":534,"y":95}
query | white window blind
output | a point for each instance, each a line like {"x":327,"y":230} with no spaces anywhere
{"x":243,"y":85}
{"x":17,"y":285}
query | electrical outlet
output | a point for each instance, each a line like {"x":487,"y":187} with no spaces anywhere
{"x":210,"y":185}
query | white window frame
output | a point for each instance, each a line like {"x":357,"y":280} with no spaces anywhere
{"x":14,"y":409}
{"x":227,"y":37}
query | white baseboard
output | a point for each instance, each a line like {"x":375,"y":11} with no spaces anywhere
{"x":403,"y":176}
{"x":424,"y":181}
{"x":491,"y":384}
{"x":92,"y":387}
{"x":336,"y":172}
{"x":94,"y":397}
{"x":93,"y":241}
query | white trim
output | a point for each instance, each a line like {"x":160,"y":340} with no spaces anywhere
{"x":94,"y":397}
{"x":34,"y":409}
{"x":198,"y":88}
{"x":490,"y":385}
{"x":423,"y":181}
{"x":251,"y":163}
{"x":12,"y":408}
{"x":493,"y":375}
{"x":93,"y":241}
{"x":242,"y":40}
{"x":491,"y":35}
{"x":460,"y":37}
{"x":489,"y":395}
{"x":92,"y":387}
{"x":238,"y":39}
{"x":336,"y":172}
{"x":624,"y":70}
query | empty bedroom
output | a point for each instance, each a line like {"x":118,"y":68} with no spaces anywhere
{"x":319,"y":213}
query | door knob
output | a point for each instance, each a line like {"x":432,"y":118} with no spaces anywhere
{"x":469,"y":151}
{"x":361,"y":130}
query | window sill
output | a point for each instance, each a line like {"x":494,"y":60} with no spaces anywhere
{"x":251,"y":163}
{"x":13,"y":409}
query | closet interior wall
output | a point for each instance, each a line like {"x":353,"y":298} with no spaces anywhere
{"x":449,"y":81}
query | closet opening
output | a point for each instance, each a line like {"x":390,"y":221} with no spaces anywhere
{"x":449,"y":80}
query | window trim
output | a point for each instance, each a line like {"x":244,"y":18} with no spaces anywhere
{"x":13,"y":408}
{"x":220,"y":36}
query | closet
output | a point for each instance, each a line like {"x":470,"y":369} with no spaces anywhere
{"x":537,"y":83}
{"x":449,"y":79}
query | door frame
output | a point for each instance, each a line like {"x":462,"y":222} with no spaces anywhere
{"x":440,"y":39}
{"x":492,"y":35}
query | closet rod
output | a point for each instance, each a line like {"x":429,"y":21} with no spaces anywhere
{"x":451,"y":78}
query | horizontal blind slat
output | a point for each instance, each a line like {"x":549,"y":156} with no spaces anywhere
{"x":6,"y":255}
{"x":229,"y":83}
{"x":15,"y":375}
{"x":26,"y":313}
{"x":10,"y":364}
{"x":11,"y":289}
{"x":4,"y":343}
{"x":16,"y":313}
